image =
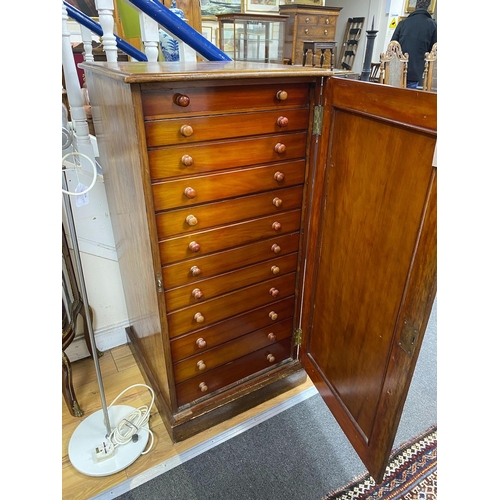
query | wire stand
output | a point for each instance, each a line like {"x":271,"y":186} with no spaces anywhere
{"x":90,"y":434}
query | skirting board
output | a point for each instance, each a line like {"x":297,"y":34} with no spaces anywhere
{"x":200,"y":448}
{"x":105,"y":339}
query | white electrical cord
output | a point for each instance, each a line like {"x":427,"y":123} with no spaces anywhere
{"x":129,"y":426}
{"x":94,"y":168}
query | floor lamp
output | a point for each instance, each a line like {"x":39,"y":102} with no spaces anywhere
{"x":90,"y":450}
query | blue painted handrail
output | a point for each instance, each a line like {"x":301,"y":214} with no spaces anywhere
{"x":96,"y":28}
{"x":179,"y":28}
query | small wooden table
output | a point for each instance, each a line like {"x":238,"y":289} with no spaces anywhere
{"x":315,"y":46}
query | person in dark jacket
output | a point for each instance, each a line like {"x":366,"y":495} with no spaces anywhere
{"x":416,"y":35}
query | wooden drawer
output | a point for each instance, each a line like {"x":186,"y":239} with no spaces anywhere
{"x":162,"y":102}
{"x":199,"y":217}
{"x":228,"y":305}
{"x":232,"y":372}
{"x":225,"y":237}
{"x":209,"y":128}
{"x":321,"y":20}
{"x":316,"y":33}
{"x":206,"y":338}
{"x":209,"y":288}
{"x":212,"y":358}
{"x":190,"y":159}
{"x":220,"y":186}
{"x":191,"y":271}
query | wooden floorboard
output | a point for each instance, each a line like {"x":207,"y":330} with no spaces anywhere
{"x":120,"y":371}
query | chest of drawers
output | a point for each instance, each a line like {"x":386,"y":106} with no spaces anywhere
{"x":308,"y":22}
{"x":253,"y":232}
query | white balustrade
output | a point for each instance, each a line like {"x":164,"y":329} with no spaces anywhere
{"x":149,"y":36}
{"x":105,"y":9}
{"x":87,"y":43}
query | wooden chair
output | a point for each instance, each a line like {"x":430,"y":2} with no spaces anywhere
{"x":374,"y":73}
{"x":430,"y":62}
{"x":393,"y":66}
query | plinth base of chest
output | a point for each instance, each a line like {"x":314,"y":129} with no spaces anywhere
{"x":232,"y":401}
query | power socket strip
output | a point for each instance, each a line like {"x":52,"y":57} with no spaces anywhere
{"x":104,"y":451}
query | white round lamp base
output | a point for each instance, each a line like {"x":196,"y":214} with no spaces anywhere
{"x":91,"y":433}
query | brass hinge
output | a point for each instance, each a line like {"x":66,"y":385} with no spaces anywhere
{"x":318,"y":120}
{"x":297,"y":340}
{"x":159,"y":282}
{"x":408,"y":338}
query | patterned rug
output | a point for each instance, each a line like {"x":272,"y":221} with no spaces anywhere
{"x":410,"y":475}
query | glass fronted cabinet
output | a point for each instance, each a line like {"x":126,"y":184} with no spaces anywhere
{"x":252,"y":37}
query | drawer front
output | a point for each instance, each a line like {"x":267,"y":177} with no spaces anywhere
{"x":207,"y":128}
{"x":225,"y":306}
{"x":165,"y":102}
{"x":190,"y":159}
{"x":191,"y":271}
{"x":218,"y":356}
{"x":204,"y":384}
{"x":214,"y":187}
{"x":210,"y":288}
{"x":196,"y":343}
{"x":199,"y":217}
{"x":225,"y":237}
{"x":317,"y":33}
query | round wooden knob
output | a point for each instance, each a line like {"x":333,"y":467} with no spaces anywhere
{"x":326,"y":32}
{"x":203,"y":387}
{"x":282,"y":121}
{"x":194,"y":247}
{"x":181,"y":100}
{"x":190,"y":193}
{"x":187,"y":160}
{"x":201,"y":365}
{"x":276,"y":226}
{"x":275,"y":269}
{"x":271,"y":336}
{"x":277,"y":202}
{"x":281,"y":95}
{"x":327,"y":21}
{"x":278,"y":176}
{"x":274,"y":292}
{"x":306,"y":32}
{"x":187,"y":130}
{"x":195,"y":271}
{"x":270,"y":358}
{"x":307,"y":20}
{"x":280,"y":148}
{"x":198,"y":317}
{"x":197,"y":293}
{"x":201,"y":342}
{"x":191,"y":220}
{"x":276,"y":248}
{"x":273,"y":315}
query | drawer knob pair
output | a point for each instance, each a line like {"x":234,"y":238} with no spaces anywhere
{"x":201,"y":343}
{"x":191,"y":220}
{"x":199,"y":318}
{"x":181,"y":100}
{"x":280,"y":148}
{"x":274,"y":292}
{"x":197,"y":293}
{"x":282,"y":121}
{"x":194,"y":247}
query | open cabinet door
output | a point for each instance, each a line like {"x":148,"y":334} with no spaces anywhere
{"x":370,"y":272}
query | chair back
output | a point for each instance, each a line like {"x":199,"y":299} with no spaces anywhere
{"x":430,"y":67}
{"x":374,"y":72}
{"x":393,"y":65}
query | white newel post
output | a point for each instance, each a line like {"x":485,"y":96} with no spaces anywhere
{"x":105,"y":8}
{"x":75,"y":95}
{"x":149,"y":36}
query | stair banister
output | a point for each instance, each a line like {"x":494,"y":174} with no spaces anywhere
{"x":180,"y":29}
{"x":105,"y":10}
{"x":96,"y":28}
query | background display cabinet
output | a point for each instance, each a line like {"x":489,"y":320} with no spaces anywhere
{"x":252,"y":37}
